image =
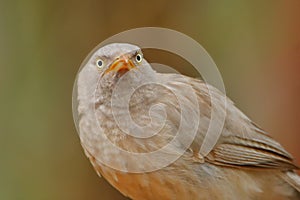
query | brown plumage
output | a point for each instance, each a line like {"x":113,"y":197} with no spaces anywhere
{"x":246,"y":163}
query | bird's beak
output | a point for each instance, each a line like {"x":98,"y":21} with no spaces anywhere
{"x":121,"y":66}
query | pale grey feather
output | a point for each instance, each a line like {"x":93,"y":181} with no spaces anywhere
{"x":228,"y":172}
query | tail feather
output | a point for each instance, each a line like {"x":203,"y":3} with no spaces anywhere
{"x":293,"y":179}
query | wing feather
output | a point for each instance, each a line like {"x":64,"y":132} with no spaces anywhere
{"x":243,"y":143}
{"x":249,"y":154}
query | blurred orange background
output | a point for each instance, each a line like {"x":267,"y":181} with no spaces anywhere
{"x":256,"y":45}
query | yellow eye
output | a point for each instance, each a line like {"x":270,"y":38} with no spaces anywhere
{"x":99,"y":63}
{"x":138,"y":58}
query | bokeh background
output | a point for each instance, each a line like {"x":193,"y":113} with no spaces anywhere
{"x":256,"y":45}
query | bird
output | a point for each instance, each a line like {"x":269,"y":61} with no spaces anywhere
{"x":125,"y":110}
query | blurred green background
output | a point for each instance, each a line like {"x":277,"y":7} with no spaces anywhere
{"x":256,"y":45}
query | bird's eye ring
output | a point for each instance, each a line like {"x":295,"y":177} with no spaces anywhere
{"x":138,"y":58}
{"x":99,"y":63}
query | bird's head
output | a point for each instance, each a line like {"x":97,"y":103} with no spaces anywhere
{"x":109,"y":63}
{"x":112,"y":64}
{"x":117,"y":59}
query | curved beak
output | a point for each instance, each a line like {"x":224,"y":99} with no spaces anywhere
{"x":121,"y":66}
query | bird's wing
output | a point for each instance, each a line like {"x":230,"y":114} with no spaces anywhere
{"x":293,"y":179}
{"x":236,"y":151}
{"x":242,"y":143}
{"x":245,"y":144}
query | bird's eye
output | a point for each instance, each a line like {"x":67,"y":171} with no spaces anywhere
{"x":138,"y":58}
{"x":99,"y":63}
